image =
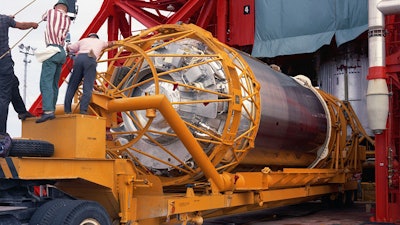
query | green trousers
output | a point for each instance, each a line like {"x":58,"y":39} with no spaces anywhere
{"x":51,"y":71}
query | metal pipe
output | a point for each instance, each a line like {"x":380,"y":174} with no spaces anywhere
{"x":161,"y":103}
{"x":377,"y":91}
{"x":388,"y":7}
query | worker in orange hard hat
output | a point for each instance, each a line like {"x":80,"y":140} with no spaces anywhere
{"x":57,"y":27}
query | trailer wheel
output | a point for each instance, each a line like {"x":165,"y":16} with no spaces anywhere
{"x":44,"y":215}
{"x":31,"y":148}
{"x":83,"y":213}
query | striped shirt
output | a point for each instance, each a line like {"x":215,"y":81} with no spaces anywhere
{"x":57,"y":26}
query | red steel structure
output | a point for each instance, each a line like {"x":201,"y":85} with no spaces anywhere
{"x":387,"y":144}
{"x":233,"y":23}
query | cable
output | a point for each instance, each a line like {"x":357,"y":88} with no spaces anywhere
{"x":5,"y":53}
{"x":24,"y":8}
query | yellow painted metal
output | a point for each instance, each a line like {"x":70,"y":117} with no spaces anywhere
{"x":228,"y":148}
{"x":277,"y":158}
{"x":138,"y":52}
{"x":345,"y":150}
{"x":287,"y":178}
{"x":161,"y":103}
{"x":6,"y":169}
{"x":251,"y":200}
{"x":89,"y":163}
{"x":138,"y":202}
{"x":100,"y":172}
{"x":73,"y":136}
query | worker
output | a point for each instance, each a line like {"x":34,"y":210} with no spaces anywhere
{"x":9,"y":90}
{"x":87,"y":51}
{"x":17,"y":102}
{"x":57,"y":27}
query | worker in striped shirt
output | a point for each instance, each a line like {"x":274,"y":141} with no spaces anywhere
{"x":57,"y":27}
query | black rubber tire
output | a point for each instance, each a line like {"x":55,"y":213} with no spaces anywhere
{"x":44,"y":215}
{"x":31,"y":148}
{"x":5,"y":144}
{"x":78,"y":211}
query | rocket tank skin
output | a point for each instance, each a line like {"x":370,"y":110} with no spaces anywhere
{"x":294,"y":120}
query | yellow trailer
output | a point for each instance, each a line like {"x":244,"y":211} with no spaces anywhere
{"x":182,"y":128}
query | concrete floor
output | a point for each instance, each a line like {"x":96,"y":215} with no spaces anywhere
{"x":310,"y":213}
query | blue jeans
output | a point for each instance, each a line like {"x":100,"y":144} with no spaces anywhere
{"x":84,"y":69}
{"x":51,"y":71}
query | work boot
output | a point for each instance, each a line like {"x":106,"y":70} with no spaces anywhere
{"x":45,"y":117}
{"x":25,"y":115}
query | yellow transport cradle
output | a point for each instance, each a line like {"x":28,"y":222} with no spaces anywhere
{"x":183,"y":128}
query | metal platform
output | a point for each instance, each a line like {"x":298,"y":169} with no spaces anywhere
{"x":310,"y":213}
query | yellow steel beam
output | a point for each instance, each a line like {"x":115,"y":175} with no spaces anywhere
{"x":101,"y":172}
{"x":256,"y":189}
{"x":161,"y":103}
{"x":257,"y":199}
